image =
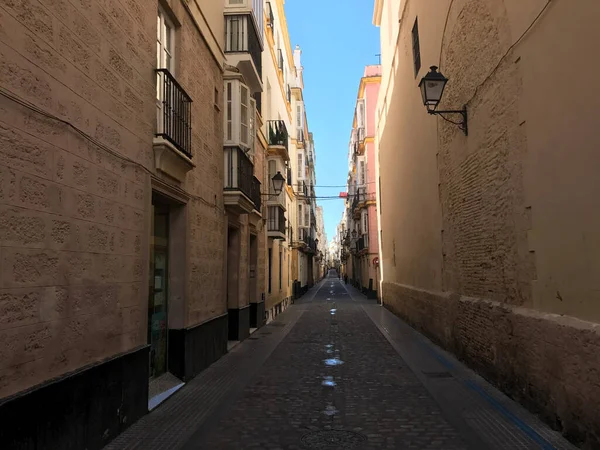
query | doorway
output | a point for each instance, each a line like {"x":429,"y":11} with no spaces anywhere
{"x":158,"y":303}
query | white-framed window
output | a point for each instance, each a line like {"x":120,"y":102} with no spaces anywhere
{"x":300,"y":215}
{"x":300,"y":166}
{"x":239,"y":115}
{"x":164,"y":42}
{"x":299,"y":115}
{"x":236,"y":33}
{"x":252,"y":125}
{"x":365,"y":223}
{"x":165,"y":50}
{"x":360,"y":114}
{"x":362,"y":172}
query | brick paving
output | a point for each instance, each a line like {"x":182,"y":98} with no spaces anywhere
{"x":375,"y":394}
{"x":336,"y":371}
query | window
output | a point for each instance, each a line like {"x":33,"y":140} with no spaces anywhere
{"x":270,"y":267}
{"x":244,"y":114}
{"x":236,"y":30}
{"x":252,"y":125}
{"x":306,"y":217}
{"x":300,"y":216}
{"x":416,"y":48}
{"x":229,"y":111}
{"x":361,"y":116}
{"x":164,"y":42}
{"x":272,"y":172}
{"x":362,"y":172}
{"x":299,"y":115}
{"x":300,"y":166}
{"x":280,"y":271}
{"x":239,"y":114}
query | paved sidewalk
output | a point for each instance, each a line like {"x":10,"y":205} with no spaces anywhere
{"x":336,"y":371}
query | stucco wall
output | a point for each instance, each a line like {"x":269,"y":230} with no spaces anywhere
{"x":486,"y":236}
{"x":74,"y":227}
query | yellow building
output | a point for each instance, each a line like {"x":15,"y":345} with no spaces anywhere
{"x":489,"y":238}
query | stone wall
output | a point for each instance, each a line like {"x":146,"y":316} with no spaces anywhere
{"x":200,"y":75}
{"x":73,"y":232}
{"x":545,"y":361}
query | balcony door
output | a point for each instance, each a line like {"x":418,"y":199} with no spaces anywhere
{"x":164,"y":60}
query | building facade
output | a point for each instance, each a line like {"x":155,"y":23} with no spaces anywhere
{"x":361,"y":233}
{"x":112,"y":241}
{"x":488,"y":236}
{"x":141,"y":230}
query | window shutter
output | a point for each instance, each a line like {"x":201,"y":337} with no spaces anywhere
{"x":244,"y":115}
{"x":300,"y":216}
{"x":299,"y":115}
{"x":228,"y":97}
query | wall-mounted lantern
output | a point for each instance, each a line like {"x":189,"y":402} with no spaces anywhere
{"x":432,"y":87}
{"x":278,"y":182}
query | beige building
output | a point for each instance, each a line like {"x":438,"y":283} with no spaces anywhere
{"x":132,"y":237}
{"x":488,"y":240}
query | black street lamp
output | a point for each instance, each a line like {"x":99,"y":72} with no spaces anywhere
{"x":278,"y":182}
{"x":432,"y":87}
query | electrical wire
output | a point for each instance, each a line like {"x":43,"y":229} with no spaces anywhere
{"x":32,"y":107}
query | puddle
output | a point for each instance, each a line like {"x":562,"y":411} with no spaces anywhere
{"x":330,"y":410}
{"x":333,"y":362}
{"x":328,"y":381}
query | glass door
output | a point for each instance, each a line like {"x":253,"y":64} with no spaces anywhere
{"x":158,"y":301}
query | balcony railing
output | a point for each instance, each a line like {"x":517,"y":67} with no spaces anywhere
{"x":360,"y":244}
{"x":238,"y":42}
{"x":276,"y":219}
{"x":270,"y":16}
{"x":255,"y":193}
{"x":358,"y":197}
{"x":361,"y":134}
{"x":238,"y":171}
{"x":277,"y":133}
{"x":302,"y":189}
{"x":174,"y":116}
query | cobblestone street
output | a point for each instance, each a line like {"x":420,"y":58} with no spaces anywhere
{"x":337,"y":371}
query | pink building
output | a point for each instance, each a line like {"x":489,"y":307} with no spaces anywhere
{"x":362,"y":243}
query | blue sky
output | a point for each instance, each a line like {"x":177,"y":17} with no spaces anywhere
{"x":338,"y":39}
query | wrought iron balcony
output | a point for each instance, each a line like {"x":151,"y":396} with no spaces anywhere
{"x":277,"y":133}
{"x":238,"y":183}
{"x":280,"y":59}
{"x":270,"y":16}
{"x":276,"y":222}
{"x":360,"y":244}
{"x":255,"y":194}
{"x":174,"y":116}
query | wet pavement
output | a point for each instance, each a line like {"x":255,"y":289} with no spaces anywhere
{"x":337,"y":371}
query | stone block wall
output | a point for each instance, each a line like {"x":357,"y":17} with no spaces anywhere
{"x":545,"y":361}
{"x":199,"y":73}
{"x":73,"y":203}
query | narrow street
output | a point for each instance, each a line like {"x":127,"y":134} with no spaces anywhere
{"x":337,"y":371}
